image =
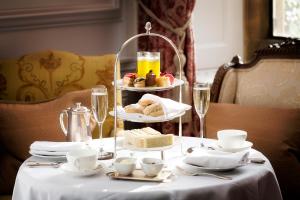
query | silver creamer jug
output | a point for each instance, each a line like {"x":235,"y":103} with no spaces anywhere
{"x":78,"y":123}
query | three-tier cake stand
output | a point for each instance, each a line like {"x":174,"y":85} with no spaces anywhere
{"x":117,"y":86}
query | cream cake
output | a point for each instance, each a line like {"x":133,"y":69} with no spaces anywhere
{"x":147,"y":138}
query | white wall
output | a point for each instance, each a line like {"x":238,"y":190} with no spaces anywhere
{"x":218,"y":31}
{"x":87,"y":39}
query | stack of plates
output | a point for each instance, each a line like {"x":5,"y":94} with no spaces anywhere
{"x":48,"y":154}
{"x":53,"y":150}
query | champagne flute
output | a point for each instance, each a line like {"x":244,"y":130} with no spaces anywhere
{"x":201,"y":94}
{"x":99,"y":108}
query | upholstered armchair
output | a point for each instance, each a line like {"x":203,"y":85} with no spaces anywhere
{"x":263,"y":98}
{"x":34,"y":89}
{"x":46,"y":75}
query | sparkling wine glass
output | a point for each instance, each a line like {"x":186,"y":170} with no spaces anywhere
{"x":99,"y":108}
{"x":201,"y":94}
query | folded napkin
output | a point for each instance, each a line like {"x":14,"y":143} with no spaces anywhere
{"x":48,"y":153}
{"x":169,"y":106}
{"x":62,"y":147}
{"x":216,"y":159}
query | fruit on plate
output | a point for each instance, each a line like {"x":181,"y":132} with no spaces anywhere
{"x":169,"y":75}
{"x":129,"y":79}
{"x":132,"y":80}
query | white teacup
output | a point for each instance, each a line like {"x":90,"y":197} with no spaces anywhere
{"x":151,"y":166}
{"x":82,"y":159}
{"x":231,"y":138}
{"x":125,"y":165}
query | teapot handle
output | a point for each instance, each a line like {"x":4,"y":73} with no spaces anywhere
{"x":61,"y":120}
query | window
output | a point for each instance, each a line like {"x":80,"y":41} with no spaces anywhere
{"x":286,"y":18}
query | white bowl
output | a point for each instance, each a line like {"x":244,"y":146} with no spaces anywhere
{"x":231,"y":138}
{"x":125,"y":165}
{"x":151,"y":166}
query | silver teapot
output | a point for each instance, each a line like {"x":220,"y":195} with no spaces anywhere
{"x":78,"y":123}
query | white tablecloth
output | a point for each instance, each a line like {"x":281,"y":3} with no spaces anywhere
{"x":253,"y":181}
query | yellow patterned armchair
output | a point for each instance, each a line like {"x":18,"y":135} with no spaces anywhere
{"x":49,"y":74}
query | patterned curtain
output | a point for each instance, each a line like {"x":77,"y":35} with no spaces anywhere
{"x":171,"y":18}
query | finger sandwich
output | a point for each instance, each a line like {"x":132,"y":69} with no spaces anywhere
{"x":147,"y":138}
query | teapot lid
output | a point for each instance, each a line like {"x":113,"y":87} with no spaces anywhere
{"x":79,"y":109}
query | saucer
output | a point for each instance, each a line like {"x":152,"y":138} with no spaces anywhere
{"x":75,"y":172}
{"x":246,"y":146}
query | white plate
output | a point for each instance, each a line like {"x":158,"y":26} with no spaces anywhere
{"x":120,"y":85}
{"x":189,"y":167}
{"x":246,"y":146}
{"x":137,"y":117}
{"x":48,"y":156}
{"x":70,"y":170}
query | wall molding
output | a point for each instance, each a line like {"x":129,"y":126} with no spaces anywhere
{"x":62,"y":15}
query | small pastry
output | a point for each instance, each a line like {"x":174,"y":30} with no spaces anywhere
{"x":128,"y":79}
{"x":134,"y":108}
{"x":163,"y":81}
{"x":150,"y":79}
{"x":145,"y":102}
{"x":154,"y":110}
{"x":139,"y":82}
{"x":170,"y":76}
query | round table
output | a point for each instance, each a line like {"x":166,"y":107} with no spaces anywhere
{"x":253,"y":181}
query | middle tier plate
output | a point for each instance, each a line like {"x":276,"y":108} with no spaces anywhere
{"x":136,"y":117}
{"x":121,"y":86}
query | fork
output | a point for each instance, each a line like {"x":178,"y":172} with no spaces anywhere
{"x":43,"y":164}
{"x":203,"y":174}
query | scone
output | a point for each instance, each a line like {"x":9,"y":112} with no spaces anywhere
{"x":146,"y":102}
{"x":134,"y":108}
{"x":163,"y":81}
{"x":153,"y":110}
{"x":139,"y":82}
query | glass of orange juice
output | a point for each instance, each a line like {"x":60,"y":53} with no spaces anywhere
{"x":154,"y":63}
{"x":142,"y":63}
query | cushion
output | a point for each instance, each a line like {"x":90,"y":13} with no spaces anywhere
{"x":21,"y":124}
{"x":273,"y":131}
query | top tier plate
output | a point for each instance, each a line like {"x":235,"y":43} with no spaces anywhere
{"x":120,"y":86}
